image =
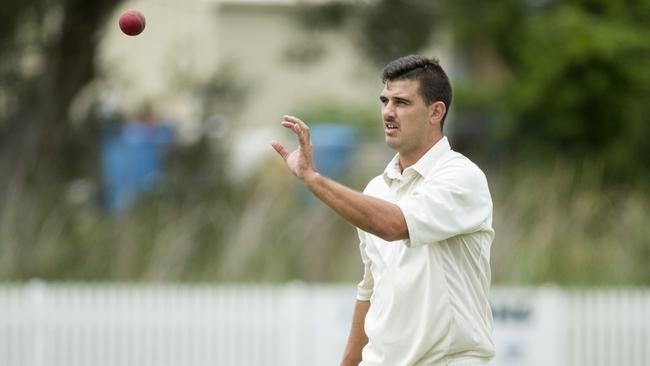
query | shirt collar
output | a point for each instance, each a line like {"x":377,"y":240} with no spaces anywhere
{"x":422,"y":166}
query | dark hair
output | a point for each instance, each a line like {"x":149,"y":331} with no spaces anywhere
{"x":434,"y":83}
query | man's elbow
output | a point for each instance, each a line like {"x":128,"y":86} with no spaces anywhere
{"x":394,"y":232}
{"x":389,"y":225}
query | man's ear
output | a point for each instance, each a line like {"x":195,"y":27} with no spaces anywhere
{"x":437,"y":112}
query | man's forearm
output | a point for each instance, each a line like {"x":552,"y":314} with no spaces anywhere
{"x":379,"y":217}
{"x":357,"y":339}
{"x":376,"y":216}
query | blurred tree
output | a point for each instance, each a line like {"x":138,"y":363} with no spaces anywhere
{"x":394,"y":28}
{"x":47,"y":54}
{"x":576,"y":80}
{"x":383,"y":29}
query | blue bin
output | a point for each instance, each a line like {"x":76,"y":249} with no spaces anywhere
{"x":334,"y":146}
{"x":132,"y":159}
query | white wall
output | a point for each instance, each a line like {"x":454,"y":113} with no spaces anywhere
{"x":258,"y":38}
{"x":180,"y":36}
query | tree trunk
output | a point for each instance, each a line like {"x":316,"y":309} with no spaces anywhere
{"x":37,"y":132}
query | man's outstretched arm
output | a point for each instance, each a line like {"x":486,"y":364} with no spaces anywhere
{"x":373,"y":215}
{"x":357,"y":339}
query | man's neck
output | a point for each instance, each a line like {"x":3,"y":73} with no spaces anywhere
{"x":409,"y":158}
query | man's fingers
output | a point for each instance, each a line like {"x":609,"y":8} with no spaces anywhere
{"x":280,"y":149}
{"x":297,"y":130}
{"x":302,"y":124}
{"x":288,"y":124}
{"x":291,"y":119}
{"x":296,"y":122}
{"x":299,"y":127}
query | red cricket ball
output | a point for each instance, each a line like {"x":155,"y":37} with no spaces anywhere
{"x":132,"y":22}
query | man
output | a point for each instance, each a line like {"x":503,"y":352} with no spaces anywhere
{"x":425,"y":229}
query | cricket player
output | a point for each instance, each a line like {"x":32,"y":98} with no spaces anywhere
{"x":425,"y":230}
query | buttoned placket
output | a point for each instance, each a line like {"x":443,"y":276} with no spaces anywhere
{"x":396,"y":184}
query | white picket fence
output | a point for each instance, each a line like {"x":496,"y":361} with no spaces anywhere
{"x":295,"y":324}
{"x":608,"y":327}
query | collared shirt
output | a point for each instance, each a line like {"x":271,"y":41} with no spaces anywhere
{"x":429,"y":294}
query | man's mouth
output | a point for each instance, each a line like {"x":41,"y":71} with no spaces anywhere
{"x":391,"y":126}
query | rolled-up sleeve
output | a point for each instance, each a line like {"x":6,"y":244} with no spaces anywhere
{"x":455,"y":200}
{"x":365,"y":287}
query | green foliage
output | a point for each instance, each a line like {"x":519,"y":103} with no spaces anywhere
{"x":577,"y":83}
{"x":582,"y":87}
{"x":329,"y":15}
{"x":394,"y":28}
{"x":488,"y":24}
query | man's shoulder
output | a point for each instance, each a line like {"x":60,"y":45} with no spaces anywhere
{"x":454,"y":159}
{"x":457,"y":167}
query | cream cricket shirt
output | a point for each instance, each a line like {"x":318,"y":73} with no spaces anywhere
{"x":429,"y":294}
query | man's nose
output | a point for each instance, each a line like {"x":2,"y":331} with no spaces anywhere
{"x":388,"y":112}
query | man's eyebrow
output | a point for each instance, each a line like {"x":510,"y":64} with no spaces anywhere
{"x":399,"y":99}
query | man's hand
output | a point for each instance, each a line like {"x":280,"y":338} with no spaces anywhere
{"x":301,"y":160}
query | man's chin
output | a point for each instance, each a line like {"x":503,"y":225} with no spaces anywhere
{"x":392,"y":142}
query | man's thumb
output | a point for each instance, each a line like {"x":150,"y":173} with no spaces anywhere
{"x":280,"y":149}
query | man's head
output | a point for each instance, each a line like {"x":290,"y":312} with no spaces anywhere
{"x":414,"y":105}
{"x":434,"y":85}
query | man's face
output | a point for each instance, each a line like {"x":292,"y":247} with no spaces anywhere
{"x":407,"y":118}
